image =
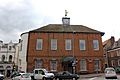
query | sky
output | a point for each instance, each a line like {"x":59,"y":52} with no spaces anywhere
{"x":19,"y":16}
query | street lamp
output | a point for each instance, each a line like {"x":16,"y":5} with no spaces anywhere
{"x":74,"y":60}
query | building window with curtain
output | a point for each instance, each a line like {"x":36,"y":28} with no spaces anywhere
{"x":97,"y":65}
{"x":39,"y":44}
{"x":83,"y":66}
{"x":82,"y":44}
{"x":96,"y":44}
{"x":53,"y":44}
{"x":53,"y":65}
{"x":68,"y":44}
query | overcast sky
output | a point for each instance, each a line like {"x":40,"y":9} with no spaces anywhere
{"x":19,"y":16}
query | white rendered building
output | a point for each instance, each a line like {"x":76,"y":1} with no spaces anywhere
{"x":21,"y":53}
{"x":7,"y":55}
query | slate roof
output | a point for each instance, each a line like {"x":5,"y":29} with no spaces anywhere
{"x":59,"y":28}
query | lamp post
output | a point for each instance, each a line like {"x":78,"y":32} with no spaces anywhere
{"x":74,"y":61}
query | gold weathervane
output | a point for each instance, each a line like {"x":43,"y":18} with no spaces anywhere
{"x":66,"y":12}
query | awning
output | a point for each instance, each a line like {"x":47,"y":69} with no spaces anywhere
{"x":68,"y":59}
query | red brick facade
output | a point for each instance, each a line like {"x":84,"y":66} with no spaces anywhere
{"x":46,"y":54}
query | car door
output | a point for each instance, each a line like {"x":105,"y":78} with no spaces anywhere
{"x":39,"y":74}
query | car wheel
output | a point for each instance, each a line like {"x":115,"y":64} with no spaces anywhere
{"x":74,"y":78}
{"x":44,"y":78}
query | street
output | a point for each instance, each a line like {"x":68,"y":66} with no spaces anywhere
{"x":99,"y":78}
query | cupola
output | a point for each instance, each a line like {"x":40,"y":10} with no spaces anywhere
{"x":66,"y":20}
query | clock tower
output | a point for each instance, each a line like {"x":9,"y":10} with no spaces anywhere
{"x":66,"y":20}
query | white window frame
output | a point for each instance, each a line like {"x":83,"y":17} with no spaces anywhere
{"x":96,"y":44}
{"x":39,"y":44}
{"x":53,"y":65}
{"x":68,"y":44}
{"x":83,"y":65}
{"x":82,"y":45}
{"x":53,"y":44}
{"x":98,"y":66}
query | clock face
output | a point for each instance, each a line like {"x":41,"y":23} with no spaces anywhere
{"x":66,"y":21}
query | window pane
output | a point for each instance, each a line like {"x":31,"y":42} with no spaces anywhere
{"x":68,"y":44}
{"x":39,"y":44}
{"x":53,"y":44}
{"x":82,"y":44}
{"x":95,"y":44}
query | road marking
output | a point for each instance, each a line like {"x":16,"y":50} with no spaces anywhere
{"x":93,"y":78}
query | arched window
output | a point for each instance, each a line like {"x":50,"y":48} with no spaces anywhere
{"x":10,"y":58}
{"x":3,"y":58}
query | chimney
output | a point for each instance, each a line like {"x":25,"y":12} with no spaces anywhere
{"x":112,"y":40}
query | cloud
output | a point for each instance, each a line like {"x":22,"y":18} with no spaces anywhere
{"x":15,"y":16}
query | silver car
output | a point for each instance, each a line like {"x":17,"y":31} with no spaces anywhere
{"x":22,"y":76}
{"x":110,"y":73}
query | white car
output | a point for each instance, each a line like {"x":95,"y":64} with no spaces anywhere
{"x":22,"y":76}
{"x":1,"y":76}
{"x":43,"y":74}
{"x":110,"y":73}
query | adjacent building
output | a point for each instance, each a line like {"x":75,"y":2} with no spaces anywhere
{"x":7,"y":56}
{"x":58,"y":47}
{"x":112,"y":52}
{"x":21,"y":53}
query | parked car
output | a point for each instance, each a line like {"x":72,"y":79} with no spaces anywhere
{"x":14,"y":74}
{"x":2,"y":76}
{"x":110,"y":73}
{"x":43,"y":74}
{"x":66,"y":75}
{"x":22,"y":76}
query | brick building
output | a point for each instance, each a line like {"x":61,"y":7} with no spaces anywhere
{"x":112,"y":52}
{"x":57,"y":47}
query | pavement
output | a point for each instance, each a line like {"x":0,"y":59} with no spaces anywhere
{"x":82,"y":76}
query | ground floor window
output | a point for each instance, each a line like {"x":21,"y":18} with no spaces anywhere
{"x":118,"y":62}
{"x":97,"y":65}
{"x":38,"y":63}
{"x":53,"y":65}
{"x":83,"y":66}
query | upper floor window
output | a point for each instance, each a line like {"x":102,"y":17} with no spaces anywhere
{"x":68,"y":44}
{"x":10,"y":58}
{"x":118,"y":53}
{"x":39,"y":44}
{"x":95,"y":44}
{"x":10,"y":47}
{"x":53,"y":44}
{"x":82,"y":44}
{"x":3,"y":58}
